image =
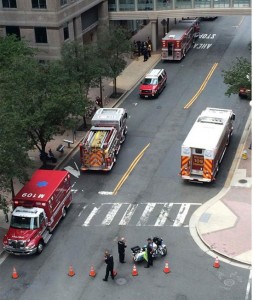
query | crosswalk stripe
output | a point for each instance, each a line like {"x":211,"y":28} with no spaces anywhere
{"x":111,"y":214}
{"x":163,"y":214}
{"x":91,"y":215}
{"x":145,"y":215}
{"x":128,"y":214}
{"x":181,"y":214}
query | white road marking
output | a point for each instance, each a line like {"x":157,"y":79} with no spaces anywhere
{"x":128,"y":214}
{"x":91,"y":215}
{"x":164,"y":214}
{"x":3,"y":257}
{"x":72,"y":171}
{"x":248,"y":286}
{"x":74,"y":191}
{"x":181,"y":214}
{"x":82,"y":210}
{"x":105,"y":193}
{"x":111,"y":214}
{"x":145,"y":215}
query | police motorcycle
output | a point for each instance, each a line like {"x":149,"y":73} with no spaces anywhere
{"x":160,"y":249}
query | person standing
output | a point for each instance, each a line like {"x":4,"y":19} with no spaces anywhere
{"x":109,"y":265}
{"x":149,"y":253}
{"x":121,"y":249}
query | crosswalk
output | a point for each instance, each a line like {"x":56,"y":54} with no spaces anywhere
{"x":142,"y":214}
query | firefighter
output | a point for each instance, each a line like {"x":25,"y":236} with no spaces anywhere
{"x":109,"y":265}
{"x":121,"y":249}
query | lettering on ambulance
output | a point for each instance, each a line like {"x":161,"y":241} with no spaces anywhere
{"x":31,"y":195}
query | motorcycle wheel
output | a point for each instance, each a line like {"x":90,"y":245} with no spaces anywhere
{"x":164,"y":251}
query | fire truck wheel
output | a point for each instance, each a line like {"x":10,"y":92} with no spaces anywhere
{"x":40,"y":247}
{"x":64,"y":212}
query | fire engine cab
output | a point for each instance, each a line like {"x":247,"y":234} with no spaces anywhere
{"x":180,"y":39}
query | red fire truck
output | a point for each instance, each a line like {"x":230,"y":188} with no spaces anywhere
{"x":38,"y":208}
{"x":180,"y":39}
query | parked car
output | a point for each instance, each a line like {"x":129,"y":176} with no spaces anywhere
{"x":153,"y":83}
{"x":245,"y":93}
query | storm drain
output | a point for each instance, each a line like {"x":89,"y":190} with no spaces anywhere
{"x":243,"y":181}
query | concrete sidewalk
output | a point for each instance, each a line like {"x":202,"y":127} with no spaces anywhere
{"x":222,"y":224}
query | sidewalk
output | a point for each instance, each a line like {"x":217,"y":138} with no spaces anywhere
{"x":223,"y":223}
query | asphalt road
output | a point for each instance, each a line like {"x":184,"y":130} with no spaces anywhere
{"x":96,"y":218}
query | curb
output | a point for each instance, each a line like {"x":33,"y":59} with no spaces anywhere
{"x":199,"y":212}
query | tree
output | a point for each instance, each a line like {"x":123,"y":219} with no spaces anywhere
{"x":112,"y":48}
{"x":83,"y":68}
{"x":40,"y":100}
{"x":238,"y":76}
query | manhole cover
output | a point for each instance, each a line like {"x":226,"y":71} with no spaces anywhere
{"x":229,"y":282}
{"x":243,"y":181}
{"x":121,"y":281}
{"x":158,"y":107}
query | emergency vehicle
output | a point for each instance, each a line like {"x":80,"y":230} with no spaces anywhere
{"x":180,"y":39}
{"x":205,"y":145}
{"x":101,"y":145}
{"x":38,"y":208}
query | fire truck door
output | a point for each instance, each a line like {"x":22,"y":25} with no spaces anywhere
{"x":170,"y":50}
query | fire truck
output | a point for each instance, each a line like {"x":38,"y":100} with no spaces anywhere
{"x":102,"y":143}
{"x":205,"y":145}
{"x":38,"y":208}
{"x":180,"y":39}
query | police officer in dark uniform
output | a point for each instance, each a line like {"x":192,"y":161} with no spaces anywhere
{"x":121,"y":249}
{"x":109,"y":265}
{"x":149,"y":253}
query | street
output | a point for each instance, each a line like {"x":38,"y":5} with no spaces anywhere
{"x":152,"y":200}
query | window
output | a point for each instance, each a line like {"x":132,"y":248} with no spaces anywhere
{"x":40,"y":34}
{"x":13,"y":30}
{"x":39,"y":4}
{"x":9,"y":4}
{"x":66,"y":32}
{"x":63,"y":2}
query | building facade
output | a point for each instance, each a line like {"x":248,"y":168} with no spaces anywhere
{"x":47,"y":24}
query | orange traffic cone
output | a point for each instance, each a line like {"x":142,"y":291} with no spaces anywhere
{"x":92,"y":272}
{"x":71,"y":271}
{"x":14,"y":273}
{"x":166,"y":268}
{"x":134,"y":271}
{"x":216,"y":263}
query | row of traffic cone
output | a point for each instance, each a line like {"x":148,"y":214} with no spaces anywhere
{"x":93,"y":273}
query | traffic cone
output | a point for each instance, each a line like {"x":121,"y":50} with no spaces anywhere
{"x":71,"y":271}
{"x":166,"y":268}
{"x":134,"y":271}
{"x":216,"y":263}
{"x":14,"y":273}
{"x":92,"y":272}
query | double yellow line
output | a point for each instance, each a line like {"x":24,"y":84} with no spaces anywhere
{"x":203,"y":85}
{"x":129,"y":170}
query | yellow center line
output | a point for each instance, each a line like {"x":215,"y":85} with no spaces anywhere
{"x":203,"y":85}
{"x":129,"y":170}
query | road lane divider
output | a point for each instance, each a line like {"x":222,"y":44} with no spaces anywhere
{"x":203,"y":85}
{"x":129,"y":170}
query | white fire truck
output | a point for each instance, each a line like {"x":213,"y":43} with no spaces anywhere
{"x":180,"y":39}
{"x":102,"y":142}
{"x":205,"y":145}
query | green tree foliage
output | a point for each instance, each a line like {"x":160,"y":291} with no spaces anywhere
{"x":113,"y":45}
{"x":41,"y":99}
{"x":238,"y":76}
